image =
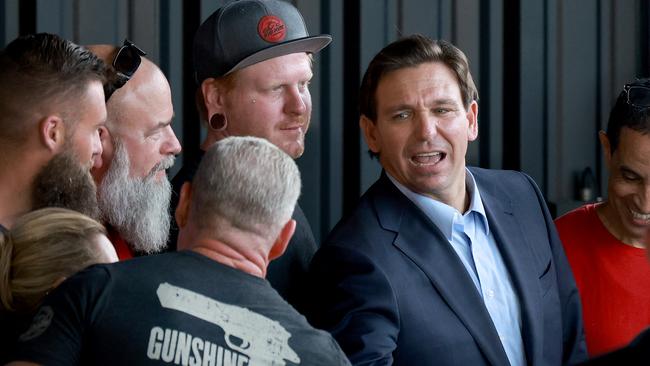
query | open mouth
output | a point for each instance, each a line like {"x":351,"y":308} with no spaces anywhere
{"x":640,"y":217}
{"x":430,"y":158}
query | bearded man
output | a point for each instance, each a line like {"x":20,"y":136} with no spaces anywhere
{"x":138,"y":145}
{"x":51,"y":107}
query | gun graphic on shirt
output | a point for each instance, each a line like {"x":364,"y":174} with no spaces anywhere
{"x":245,"y":331}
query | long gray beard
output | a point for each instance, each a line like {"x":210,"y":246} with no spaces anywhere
{"x":138,"y":208}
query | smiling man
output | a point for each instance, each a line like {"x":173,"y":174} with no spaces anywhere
{"x":605,"y":242}
{"x":138,"y":145}
{"x":441,"y":264}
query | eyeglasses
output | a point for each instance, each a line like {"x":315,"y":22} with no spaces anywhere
{"x":638,"y":96}
{"x":126,"y":62}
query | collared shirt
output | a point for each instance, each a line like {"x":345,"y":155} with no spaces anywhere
{"x":470,"y":237}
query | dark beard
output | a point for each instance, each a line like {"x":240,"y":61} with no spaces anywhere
{"x":63,"y":182}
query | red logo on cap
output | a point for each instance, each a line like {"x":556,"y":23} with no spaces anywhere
{"x":271,"y":29}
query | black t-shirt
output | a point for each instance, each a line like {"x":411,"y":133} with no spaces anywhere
{"x":174,"y":308}
{"x":12,"y":324}
{"x":288,"y":273}
{"x":637,"y":353}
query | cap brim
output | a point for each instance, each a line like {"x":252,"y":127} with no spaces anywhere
{"x":311,"y":44}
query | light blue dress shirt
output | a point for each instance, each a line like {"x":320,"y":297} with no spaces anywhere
{"x":469,"y":234}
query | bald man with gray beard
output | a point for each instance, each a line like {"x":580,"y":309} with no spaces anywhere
{"x":138,"y":146}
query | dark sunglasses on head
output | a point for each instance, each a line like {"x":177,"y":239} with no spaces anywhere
{"x":638,"y":96}
{"x":126,"y":62}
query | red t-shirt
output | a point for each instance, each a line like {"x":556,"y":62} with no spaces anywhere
{"x":613,"y":280}
{"x":121,"y":246}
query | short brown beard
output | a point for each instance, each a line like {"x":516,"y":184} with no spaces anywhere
{"x":63,"y":182}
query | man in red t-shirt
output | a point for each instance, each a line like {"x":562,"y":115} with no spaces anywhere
{"x":605,"y":243}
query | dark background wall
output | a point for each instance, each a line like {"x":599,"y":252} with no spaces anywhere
{"x":548,"y":72}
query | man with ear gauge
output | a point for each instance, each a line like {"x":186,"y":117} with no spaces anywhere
{"x":606,"y":242}
{"x":138,"y":145}
{"x":51,"y":107}
{"x":253,"y":63}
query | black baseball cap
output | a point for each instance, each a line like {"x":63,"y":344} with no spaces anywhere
{"x":245,"y":32}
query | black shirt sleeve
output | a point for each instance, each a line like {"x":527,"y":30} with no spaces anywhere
{"x":56,"y":334}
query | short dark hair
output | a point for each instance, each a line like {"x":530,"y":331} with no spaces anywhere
{"x":40,"y":70}
{"x":412,"y":51}
{"x":624,"y":114}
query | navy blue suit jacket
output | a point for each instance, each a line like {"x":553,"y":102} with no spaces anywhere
{"x":390,"y":288}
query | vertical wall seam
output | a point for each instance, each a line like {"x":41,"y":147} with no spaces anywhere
{"x":485,"y":35}
{"x":75,"y":20}
{"x":326,"y":130}
{"x":164,"y":37}
{"x":351,"y":75}
{"x":559,"y":111}
{"x":599,"y":91}
{"x":545,"y":99}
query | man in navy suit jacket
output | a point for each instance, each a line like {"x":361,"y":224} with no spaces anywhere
{"x":442,"y":264}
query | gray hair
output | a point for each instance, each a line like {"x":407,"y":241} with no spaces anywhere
{"x":247,"y":183}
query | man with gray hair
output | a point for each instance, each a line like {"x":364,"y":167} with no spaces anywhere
{"x":205,"y":304}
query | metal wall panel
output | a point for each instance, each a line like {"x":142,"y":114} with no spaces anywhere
{"x":310,"y":163}
{"x":56,"y":16}
{"x":170,"y":55}
{"x":491,"y":86}
{"x":332,"y":118}
{"x":532,"y":86}
{"x":9,"y":20}
{"x":378,"y":28}
{"x":419,"y":17}
{"x":467,"y":38}
{"x":578,"y":91}
{"x":596,"y":53}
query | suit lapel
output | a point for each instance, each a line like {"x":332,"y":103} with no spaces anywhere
{"x":517,"y":255}
{"x":420,"y":240}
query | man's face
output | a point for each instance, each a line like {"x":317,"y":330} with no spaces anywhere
{"x":629,"y":187}
{"x":65,"y":181}
{"x":84,"y":138}
{"x":422,"y":129}
{"x":271,"y":100}
{"x":141,"y":120}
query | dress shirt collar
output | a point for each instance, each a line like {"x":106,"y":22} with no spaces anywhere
{"x":441,"y":214}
